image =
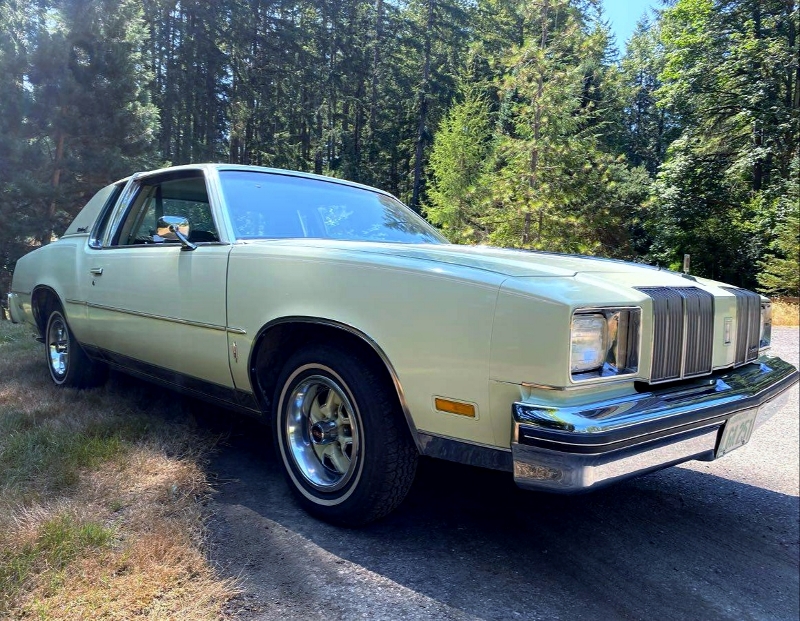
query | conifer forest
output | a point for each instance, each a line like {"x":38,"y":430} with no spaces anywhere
{"x":517,"y":123}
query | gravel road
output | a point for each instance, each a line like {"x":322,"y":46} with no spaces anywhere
{"x":706,"y":541}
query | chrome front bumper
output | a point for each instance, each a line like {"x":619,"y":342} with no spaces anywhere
{"x":14,"y":311}
{"x":570,"y":449}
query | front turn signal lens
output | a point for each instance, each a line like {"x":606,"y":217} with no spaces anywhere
{"x":455,"y":407}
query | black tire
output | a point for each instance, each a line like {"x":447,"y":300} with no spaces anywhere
{"x":356,"y":462}
{"x":66,"y":361}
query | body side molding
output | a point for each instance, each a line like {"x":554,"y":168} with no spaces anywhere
{"x":224,"y":396}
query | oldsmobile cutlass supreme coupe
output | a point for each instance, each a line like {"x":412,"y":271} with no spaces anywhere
{"x":340,"y":317}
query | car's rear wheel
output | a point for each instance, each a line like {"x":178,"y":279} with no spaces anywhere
{"x":67,"y":362}
{"x":341,"y":438}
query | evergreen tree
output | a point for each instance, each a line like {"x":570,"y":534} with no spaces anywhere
{"x":780,"y":267}
{"x":461,"y":148}
{"x":648,"y":127}
{"x":188,"y":69}
{"x":18,"y":193}
{"x":89,"y":111}
{"x":74,"y":112}
{"x":510,"y":122}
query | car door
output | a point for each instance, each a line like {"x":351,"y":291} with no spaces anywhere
{"x":155,"y":305}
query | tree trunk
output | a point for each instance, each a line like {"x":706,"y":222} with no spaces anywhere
{"x":423,"y":111}
{"x":373,"y":105}
{"x":758,"y":135}
{"x":537,"y":132}
{"x":55,"y":181}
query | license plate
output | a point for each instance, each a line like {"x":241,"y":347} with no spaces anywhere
{"x":737,"y":431}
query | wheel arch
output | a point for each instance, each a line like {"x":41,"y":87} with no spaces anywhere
{"x":276,"y":341}
{"x":44,"y":299}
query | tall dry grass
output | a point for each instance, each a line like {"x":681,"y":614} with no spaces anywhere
{"x":785,"y":312}
{"x":101,"y":499}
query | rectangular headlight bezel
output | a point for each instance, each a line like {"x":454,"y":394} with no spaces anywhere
{"x":621,"y":350}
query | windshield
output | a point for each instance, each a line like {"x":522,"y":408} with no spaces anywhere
{"x":270,"y":206}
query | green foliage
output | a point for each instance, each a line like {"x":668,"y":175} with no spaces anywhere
{"x":727,"y":79}
{"x":693,"y":212}
{"x":780,"y":267}
{"x":526,"y":157}
{"x":647,"y":128}
{"x":458,"y":168}
{"x":512,"y":123}
{"x":76,"y":114}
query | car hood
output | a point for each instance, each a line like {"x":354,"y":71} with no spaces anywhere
{"x":504,"y":262}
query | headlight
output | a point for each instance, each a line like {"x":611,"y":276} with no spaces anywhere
{"x":589,"y":342}
{"x":766,"y":326}
{"x":604,"y":343}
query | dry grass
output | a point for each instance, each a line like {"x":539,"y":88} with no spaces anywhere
{"x":785,"y":312}
{"x":101,"y":500}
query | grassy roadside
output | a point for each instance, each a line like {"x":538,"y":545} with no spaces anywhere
{"x":101,"y":498}
{"x":785,"y":313}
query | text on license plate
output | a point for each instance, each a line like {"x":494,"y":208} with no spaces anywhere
{"x":737,"y":431}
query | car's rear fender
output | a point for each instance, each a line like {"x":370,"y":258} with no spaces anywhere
{"x":50,"y":275}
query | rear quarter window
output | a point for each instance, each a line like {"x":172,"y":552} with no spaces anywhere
{"x":86,"y":218}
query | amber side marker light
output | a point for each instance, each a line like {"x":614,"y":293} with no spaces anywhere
{"x":455,"y":407}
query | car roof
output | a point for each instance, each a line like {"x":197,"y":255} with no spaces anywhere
{"x":249,"y":168}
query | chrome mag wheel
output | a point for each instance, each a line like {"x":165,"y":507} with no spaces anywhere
{"x":67,"y":363}
{"x":58,"y":347}
{"x":322,"y":432}
{"x":339,"y":433}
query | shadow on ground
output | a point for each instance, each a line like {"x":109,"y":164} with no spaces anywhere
{"x":468,"y":544}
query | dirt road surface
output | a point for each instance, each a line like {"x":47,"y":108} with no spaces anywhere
{"x":701,"y":541}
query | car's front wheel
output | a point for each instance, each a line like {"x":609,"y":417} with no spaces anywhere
{"x":67,"y":362}
{"x":341,"y":438}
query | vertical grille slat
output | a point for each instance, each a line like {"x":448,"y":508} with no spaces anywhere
{"x":668,"y":319}
{"x":700,"y":332}
{"x":748,"y":324}
{"x":683,"y":332}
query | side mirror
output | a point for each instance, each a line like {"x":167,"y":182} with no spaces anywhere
{"x":175,"y":228}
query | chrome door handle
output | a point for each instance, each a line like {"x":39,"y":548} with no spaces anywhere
{"x":97,"y":271}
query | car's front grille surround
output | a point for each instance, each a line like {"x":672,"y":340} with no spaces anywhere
{"x":748,"y":324}
{"x":683,"y":332}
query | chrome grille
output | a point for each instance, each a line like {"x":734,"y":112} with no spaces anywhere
{"x":748,"y":324}
{"x":683,"y":332}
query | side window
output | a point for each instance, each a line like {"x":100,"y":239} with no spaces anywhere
{"x":177,"y":194}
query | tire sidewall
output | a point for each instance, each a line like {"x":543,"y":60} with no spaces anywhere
{"x":299,"y":483}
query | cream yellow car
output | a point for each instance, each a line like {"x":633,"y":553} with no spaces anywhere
{"x":341,"y":318}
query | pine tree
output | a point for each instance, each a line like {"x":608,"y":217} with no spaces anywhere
{"x":90,"y":110}
{"x":649,"y":128}
{"x":780,"y":267}
{"x":461,"y":148}
{"x":18,"y":194}
{"x":74,"y":113}
{"x":549,"y":157}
